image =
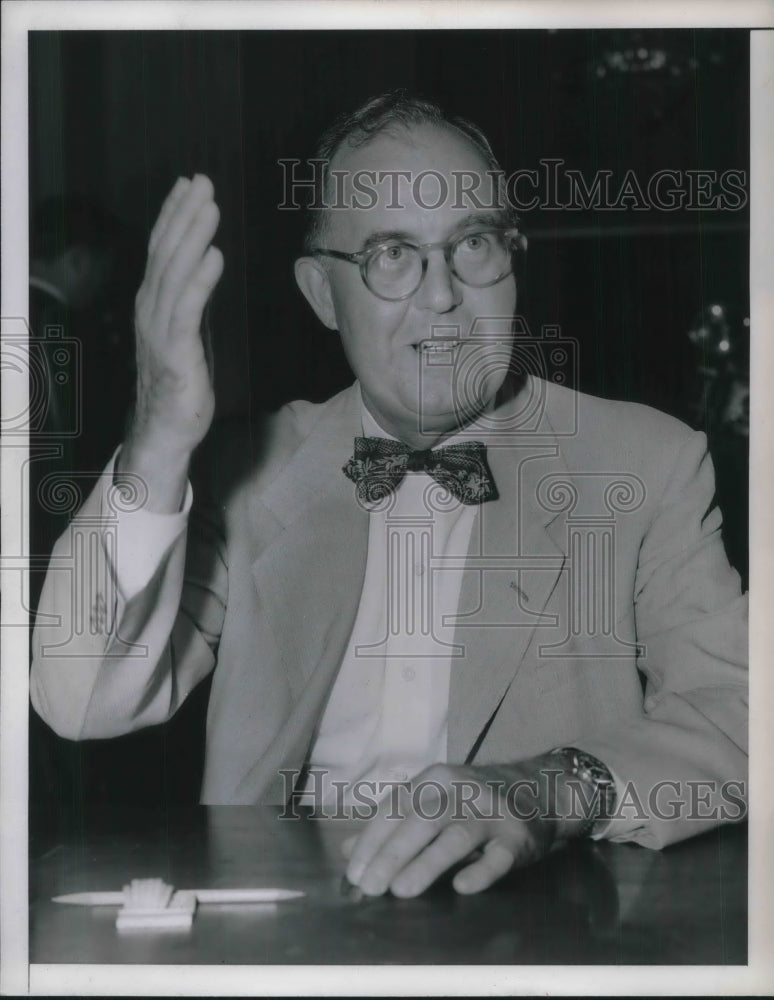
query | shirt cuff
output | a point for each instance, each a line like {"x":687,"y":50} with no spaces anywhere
{"x":141,"y":538}
{"x":604,"y":829}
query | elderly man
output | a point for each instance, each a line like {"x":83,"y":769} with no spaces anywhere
{"x":431,"y":597}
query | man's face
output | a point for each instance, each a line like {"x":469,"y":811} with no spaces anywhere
{"x":417,"y":392}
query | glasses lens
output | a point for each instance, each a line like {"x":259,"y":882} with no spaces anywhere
{"x":394,"y":271}
{"x":481,"y":258}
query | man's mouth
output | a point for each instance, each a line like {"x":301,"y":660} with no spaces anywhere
{"x":436,"y":345}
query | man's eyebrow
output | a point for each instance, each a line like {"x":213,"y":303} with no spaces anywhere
{"x":387,"y":236}
{"x":484,"y":219}
{"x":473,"y":221}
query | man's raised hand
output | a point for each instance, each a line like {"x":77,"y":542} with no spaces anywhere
{"x":175,"y":398}
{"x":175,"y":401}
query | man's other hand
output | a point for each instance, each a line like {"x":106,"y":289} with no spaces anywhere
{"x":509,"y":815}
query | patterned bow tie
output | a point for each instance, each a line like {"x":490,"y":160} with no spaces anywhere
{"x":379,"y":465}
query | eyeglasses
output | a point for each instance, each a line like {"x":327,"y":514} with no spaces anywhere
{"x":394,"y":270}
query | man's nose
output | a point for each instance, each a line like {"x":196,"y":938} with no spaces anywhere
{"x":440,"y":290}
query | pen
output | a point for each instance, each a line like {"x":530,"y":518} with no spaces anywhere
{"x":202,"y":896}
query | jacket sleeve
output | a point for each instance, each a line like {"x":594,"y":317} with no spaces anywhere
{"x":682,"y":764}
{"x":130,"y":615}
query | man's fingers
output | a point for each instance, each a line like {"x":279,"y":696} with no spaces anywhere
{"x":394,"y":833}
{"x":185,"y":262}
{"x":368,"y":845}
{"x":454,"y":843}
{"x":496,"y":861}
{"x":180,"y":186}
{"x":405,"y":840}
{"x":183,"y":213}
{"x":187,"y":311}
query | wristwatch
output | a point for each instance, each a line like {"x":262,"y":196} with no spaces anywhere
{"x":598,"y":780}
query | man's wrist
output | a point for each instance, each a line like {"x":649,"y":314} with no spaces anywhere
{"x":163,"y":468}
{"x":586,"y":791}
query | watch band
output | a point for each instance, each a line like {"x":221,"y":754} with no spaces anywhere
{"x":597,"y":778}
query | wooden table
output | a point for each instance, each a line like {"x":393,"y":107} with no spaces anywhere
{"x":590,"y":904}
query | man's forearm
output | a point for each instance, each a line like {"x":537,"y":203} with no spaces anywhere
{"x":161,"y":466}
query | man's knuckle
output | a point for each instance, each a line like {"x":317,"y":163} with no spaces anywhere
{"x":459,"y":836}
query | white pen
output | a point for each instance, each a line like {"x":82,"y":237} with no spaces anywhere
{"x":202,"y":896}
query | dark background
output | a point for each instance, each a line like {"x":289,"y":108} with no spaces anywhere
{"x":119,"y":115}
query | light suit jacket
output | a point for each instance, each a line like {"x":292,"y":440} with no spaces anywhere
{"x":603,"y":555}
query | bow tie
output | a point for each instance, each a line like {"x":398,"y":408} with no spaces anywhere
{"x":379,"y":465}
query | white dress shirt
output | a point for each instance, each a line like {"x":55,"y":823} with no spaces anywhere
{"x":385,"y":719}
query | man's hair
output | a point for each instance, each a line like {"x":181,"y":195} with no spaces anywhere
{"x":388,"y":114}
{"x":63,"y":221}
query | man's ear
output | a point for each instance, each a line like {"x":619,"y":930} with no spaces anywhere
{"x":312,"y":278}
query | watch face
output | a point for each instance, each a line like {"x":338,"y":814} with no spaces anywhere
{"x":595,"y":774}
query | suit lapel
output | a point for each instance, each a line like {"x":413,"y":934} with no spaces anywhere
{"x":308,"y":576}
{"x":516,"y":554}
